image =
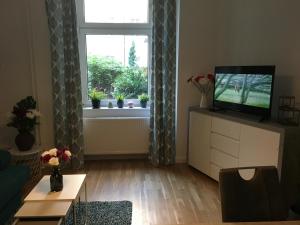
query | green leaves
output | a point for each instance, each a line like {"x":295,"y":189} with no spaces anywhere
{"x":133,"y":82}
{"x":96,"y":95}
{"x":102,"y":72}
{"x":132,"y":56}
{"x":120,"y":97}
{"x":114,"y":79}
{"x":143,"y":98}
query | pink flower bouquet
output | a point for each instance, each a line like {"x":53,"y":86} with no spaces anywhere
{"x":204,"y":83}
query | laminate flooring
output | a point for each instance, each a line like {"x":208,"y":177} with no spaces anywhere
{"x":175,"y":194}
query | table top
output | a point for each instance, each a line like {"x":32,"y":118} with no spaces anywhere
{"x":70,"y":191}
{"x":44,"y":209}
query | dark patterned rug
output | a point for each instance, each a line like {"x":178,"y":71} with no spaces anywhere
{"x":106,"y":213}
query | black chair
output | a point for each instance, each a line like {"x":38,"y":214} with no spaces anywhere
{"x":258,"y":199}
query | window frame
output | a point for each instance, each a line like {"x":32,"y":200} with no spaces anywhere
{"x":108,"y":29}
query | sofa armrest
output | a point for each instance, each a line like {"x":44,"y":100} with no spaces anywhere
{"x":5,"y":158}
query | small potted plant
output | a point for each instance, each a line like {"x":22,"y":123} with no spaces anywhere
{"x":96,"y":97}
{"x":54,"y":158}
{"x":24,"y":117}
{"x":120,"y":100}
{"x":144,"y":98}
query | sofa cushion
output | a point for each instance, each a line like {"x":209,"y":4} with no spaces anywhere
{"x":12,"y":181}
{"x":4,"y":159}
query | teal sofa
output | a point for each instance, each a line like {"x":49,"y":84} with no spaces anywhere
{"x":12,"y":180}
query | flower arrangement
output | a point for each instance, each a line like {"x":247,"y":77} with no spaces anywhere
{"x":204,"y":83}
{"x":55,"y":156}
{"x":24,"y":115}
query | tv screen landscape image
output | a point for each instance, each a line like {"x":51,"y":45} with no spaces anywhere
{"x":246,"y":89}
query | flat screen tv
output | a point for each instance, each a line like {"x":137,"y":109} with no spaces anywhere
{"x":246,"y":89}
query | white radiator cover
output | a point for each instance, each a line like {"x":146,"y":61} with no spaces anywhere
{"x":116,"y":135}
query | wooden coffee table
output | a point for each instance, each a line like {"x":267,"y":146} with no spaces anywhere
{"x":41,"y":203}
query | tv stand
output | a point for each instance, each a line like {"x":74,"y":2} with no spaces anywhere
{"x":263,"y":119}
{"x":216,"y":109}
{"x":240,"y":115}
{"x":224,"y":140}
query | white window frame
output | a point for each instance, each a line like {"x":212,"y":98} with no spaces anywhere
{"x":107,"y":29}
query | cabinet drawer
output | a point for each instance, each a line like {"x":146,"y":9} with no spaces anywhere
{"x":226,"y":128}
{"x":225,"y":144}
{"x":223,"y":160}
{"x":258,"y":147}
{"x":214,"y":171}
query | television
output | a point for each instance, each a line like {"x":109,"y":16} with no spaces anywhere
{"x":247,"y":89}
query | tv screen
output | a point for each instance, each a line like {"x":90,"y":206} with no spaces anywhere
{"x":244,"y":88}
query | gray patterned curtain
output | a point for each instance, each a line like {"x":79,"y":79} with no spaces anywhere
{"x":163,"y":83}
{"x":66,"y":78}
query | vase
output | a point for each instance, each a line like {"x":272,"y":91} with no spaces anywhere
{"x":203,"y":102}
{"x":96,"y":104}
{"x":120,"y":104}
{"x":143,"y":104}
{"x":56,"y":180}
{"x":24,"y":140}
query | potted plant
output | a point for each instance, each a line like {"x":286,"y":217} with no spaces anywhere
{"x":96,"y":97}
{"x":54,"y":158}
{"x":120,"y":100}
{"x":24,"y":118}
{"x":144,"y":98}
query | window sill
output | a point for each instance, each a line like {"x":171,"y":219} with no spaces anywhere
{"x":89,"y":112}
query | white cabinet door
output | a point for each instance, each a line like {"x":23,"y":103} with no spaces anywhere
{"x":199,"y":141}
{"x":258,"y":147}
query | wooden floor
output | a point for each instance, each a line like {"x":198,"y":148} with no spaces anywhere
{"x":166,"y":195}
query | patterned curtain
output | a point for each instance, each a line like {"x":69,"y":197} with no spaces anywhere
{"x":66,"y":78}
{"x":163,"y":83}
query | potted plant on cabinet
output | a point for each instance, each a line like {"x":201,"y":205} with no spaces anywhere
{"x":24,"y":118}
{"x":120,"y":100}
{"x":96,"y":97}
{"x":144,"y":98}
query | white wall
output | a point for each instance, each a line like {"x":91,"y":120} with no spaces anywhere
{"x":262,"y":33}
{"x":197,"y":37}
{"x":24,"y":65}
{"x":237,"y":32}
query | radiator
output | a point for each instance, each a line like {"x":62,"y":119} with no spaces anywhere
{"x":116,"y":135}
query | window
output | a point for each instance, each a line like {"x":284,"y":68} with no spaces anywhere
{"x":114,"y":43}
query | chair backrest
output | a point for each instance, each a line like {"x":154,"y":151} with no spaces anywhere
{"x":258,"y":199}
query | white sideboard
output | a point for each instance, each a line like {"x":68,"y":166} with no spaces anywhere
{"x":224,"y":141}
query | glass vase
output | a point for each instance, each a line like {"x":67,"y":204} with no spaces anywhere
{"x":203,"y":101}
{"x":56,"y":180}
